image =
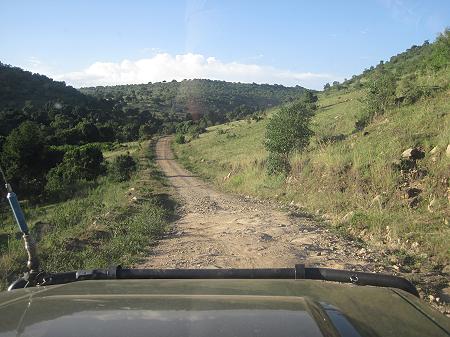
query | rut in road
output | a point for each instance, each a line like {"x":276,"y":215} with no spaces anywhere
{"x":219,"y":230}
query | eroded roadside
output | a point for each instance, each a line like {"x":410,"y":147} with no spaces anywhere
{"x":219,"y":230}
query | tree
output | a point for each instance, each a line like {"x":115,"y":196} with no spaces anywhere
{"x":288,"y":130}
{"x":327,"y":86}
{"x":23,"y":157}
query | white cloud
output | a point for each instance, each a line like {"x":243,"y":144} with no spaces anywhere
{"x":163,"y":66}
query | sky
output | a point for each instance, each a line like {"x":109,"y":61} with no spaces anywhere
{"x":289,"y":42}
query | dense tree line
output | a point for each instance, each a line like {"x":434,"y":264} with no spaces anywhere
{"x":215,"y":101}
{"x":52,"y":135}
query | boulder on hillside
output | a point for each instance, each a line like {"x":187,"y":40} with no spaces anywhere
{"x":413,"y":153}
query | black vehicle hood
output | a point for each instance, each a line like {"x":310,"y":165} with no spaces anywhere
{"x":215,"y":308}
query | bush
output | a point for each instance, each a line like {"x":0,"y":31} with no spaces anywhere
{"x":180,"y":139}
{"x":289,"y":130}
{"x":439,"y":57}
{"x":408,"y":91}
{"x":277,"y":164}
{"x":362,"y":120}
{"x":80,"y":163}
{"x":221,"y":131}
{"x":122,"y":167}
{"x":380,"y":93}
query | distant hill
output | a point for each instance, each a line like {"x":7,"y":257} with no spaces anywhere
{"x":218,"y":101}
{"x":25,"y":96}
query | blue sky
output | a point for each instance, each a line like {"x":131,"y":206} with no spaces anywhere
{"x":290,"y":42}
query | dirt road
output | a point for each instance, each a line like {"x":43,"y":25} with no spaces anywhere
{"x":218,"y":230}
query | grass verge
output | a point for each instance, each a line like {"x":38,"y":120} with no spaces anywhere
{"x":112,"y":223}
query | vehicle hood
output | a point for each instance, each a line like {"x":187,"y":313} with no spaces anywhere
{"x":215,"y":308}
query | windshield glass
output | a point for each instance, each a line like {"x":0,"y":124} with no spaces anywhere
{"x":226,"y":135}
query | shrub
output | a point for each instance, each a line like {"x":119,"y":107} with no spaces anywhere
{"x":289,"y":130}
{"x":221,"y":131}
{"x":180,"y":139}
{"x":439,"y":57}
{"x":277,"y":164}
{"x":80,"y":163}
{"x":380,"y":93}
{"x":122,"y":167}
{"x":408,"y":91}
{"x":362,"y":120}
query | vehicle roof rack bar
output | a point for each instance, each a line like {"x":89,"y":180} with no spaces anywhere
{"x":360,"y":278}
{"x":299,"y":272}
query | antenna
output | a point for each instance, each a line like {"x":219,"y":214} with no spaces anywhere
{"x":30,"y":245}
{"x":7,"y":186}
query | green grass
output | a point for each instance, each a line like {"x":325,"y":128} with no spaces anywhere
{"x":343,"y":170}
{"x":105,"y":226}
{"x":121,"y":149}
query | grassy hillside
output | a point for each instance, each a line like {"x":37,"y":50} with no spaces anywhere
{"x":352,"y":177}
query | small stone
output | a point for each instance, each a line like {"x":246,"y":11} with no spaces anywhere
{"x":347,"y":217}
{"x":432,"y":205}
{"x":266,"y":237}
{"x":447,"y":151}
{"x":434,"y":150}
{"x":431,"y":298}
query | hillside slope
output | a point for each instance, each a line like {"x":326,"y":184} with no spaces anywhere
{"x":25,"y":96}
{"x":356,"y":178}
{"x":218,"y":101}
